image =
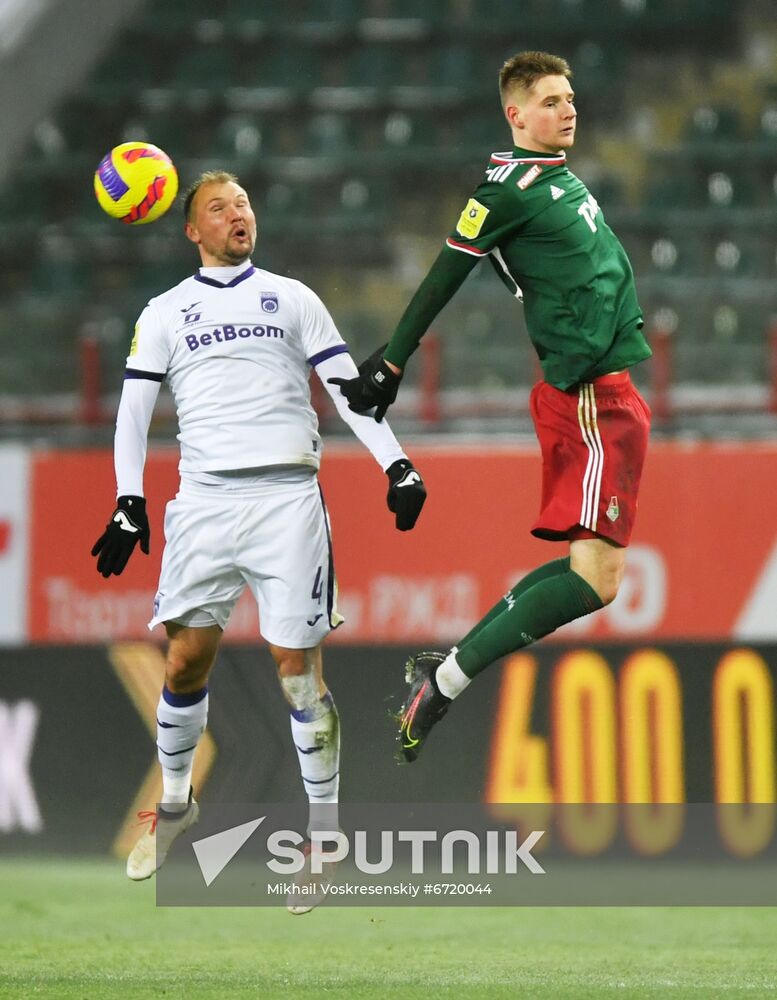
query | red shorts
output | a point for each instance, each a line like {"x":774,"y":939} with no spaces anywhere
{"x":593,"y":439}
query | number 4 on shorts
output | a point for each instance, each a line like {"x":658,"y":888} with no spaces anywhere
{"x":318,"y":585}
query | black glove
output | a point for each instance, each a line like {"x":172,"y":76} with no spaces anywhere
{"x":376,"y":386}
{"x":128,"y":526}
{"x":406,"y":493}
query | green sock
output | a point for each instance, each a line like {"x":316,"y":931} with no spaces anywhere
{"x":537,"y":612}
{"x":540,"y":573}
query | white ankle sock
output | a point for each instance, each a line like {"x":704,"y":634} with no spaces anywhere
{"x":175,"y":790}
{"x":451,"y":679}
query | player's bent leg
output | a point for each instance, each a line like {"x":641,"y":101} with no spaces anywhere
{"x":551,"y":596}
{"x":182,"y":715}
{"x":601,"y":563}
{"x":315,"y":730}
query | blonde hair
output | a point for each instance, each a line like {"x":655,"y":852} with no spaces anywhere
{"x":207,"y":177}
{"x":524,"y":69}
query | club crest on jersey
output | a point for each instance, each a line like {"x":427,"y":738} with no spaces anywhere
{"x":529,"y":177}
{"x":613,"y":510}
{"x":269,"y":302}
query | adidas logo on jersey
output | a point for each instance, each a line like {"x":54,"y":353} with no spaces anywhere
{"x":556,"y":192}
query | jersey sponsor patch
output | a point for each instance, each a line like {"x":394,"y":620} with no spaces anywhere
{"x":134,"y":345}
{"x":228,"y":332}
{"x":472,"y":218}
{"x":529,"y":177}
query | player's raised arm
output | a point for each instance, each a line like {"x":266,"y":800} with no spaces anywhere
{"x":406,"y":491}
{"x":377,"y":381}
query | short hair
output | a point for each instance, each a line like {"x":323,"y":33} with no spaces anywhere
{"x":526,"y":68}
{"x":207,"y":177}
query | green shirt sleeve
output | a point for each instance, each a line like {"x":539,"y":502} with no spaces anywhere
{"x":441,"y":283}
{"x":485,"y":220}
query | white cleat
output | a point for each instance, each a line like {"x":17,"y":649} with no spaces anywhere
{"x":311,"y":888}
{"x":151,"y":850}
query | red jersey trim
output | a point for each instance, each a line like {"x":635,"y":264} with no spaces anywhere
{"x":509,"y":158}
{"x":466,"y":249}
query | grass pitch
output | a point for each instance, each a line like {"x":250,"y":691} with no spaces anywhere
{"x":82,"y":930}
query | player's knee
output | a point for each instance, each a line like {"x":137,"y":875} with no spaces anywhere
{"x":185,"y":672}
{"x":299,"y":672}
{"x":290,"y":663}
{"x":608,"y":590}
{"x":601,"y":565}
{"x":608,"y":581}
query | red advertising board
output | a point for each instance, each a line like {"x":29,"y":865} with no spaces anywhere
{"x":702,"y":562}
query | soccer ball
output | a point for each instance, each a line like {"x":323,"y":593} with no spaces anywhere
{"x":136,"y":182}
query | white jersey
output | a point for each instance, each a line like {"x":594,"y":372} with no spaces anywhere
{"x":237,"y":355}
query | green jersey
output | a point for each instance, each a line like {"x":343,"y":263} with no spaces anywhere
{"x":547,"y":239}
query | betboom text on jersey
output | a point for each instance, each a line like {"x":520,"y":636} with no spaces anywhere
{"x":222,"y":334}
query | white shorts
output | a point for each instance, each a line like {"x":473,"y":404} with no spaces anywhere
{"x":270,"y":534}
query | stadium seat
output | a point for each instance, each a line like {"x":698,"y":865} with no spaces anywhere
{"x":727,"y":189}
{"x":342,"y":12}
{"x":241,"y":136}
{"x":372,"y":65}
{"x":672,"y":188}
{"x":730,"y":255}
{"x":210,"y":67}
{"x":329,"y":134}
{"x":126,"y":68}
{"x":768,"y":123}
{"x":456,"y":66}
{"x":272,"y":66}
{"x":675,"y":252}
{"x":711,"y":122}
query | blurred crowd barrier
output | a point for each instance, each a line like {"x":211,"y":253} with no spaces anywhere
{"x":702,"y":565}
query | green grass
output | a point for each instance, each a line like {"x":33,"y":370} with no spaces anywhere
{"x":82,"y":930}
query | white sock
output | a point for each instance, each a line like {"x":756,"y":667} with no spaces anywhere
{"x":181,"y":720}
{"x":451,"y":679}
{"x":316,"y":734}
{"x":175,"y":789}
